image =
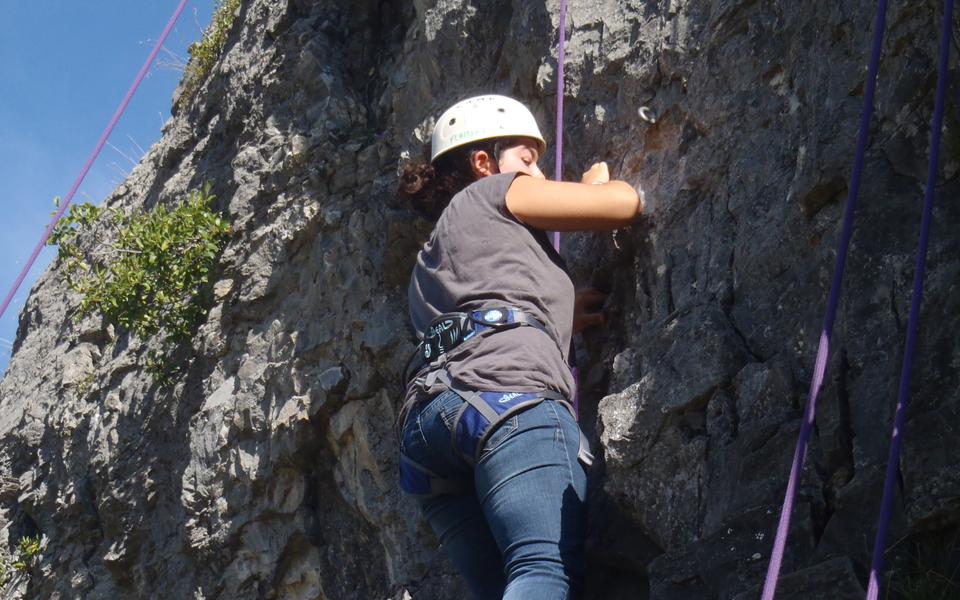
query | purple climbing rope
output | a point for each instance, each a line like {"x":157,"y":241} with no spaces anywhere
{"x":823,"y":350}
{"x":93,"y":155}
{"x":558,"y":171}
{"x":913,"y":322}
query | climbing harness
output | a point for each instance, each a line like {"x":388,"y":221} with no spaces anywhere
{"x":93,"y":155}
{"x":449,"y":330}
{"x":776,"y":557}
{"x":482,"y":411}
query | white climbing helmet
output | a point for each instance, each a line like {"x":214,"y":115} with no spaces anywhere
{"x":483,"y":118}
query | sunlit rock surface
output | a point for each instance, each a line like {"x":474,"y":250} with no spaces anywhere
{"x":268,"y":469}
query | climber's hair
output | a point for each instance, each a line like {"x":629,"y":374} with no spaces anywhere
{"x":429,"y":188}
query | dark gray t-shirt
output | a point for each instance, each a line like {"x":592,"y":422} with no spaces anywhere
{"x":479,"y":256}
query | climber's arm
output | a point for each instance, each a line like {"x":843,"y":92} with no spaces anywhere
{"x":595,"y":204}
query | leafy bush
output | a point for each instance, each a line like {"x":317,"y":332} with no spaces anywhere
{"x":145,"y":272}
{"x":204,"y":54}
{"x":23,"y":557}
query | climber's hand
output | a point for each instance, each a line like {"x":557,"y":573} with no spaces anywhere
{"x":586,"y":309}
{"x":598,"y":173}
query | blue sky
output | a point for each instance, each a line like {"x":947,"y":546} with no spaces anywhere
{"x":64,"y":67}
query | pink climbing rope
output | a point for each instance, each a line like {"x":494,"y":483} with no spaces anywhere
{"x":93,"y":155}
{"x":833,"y":300}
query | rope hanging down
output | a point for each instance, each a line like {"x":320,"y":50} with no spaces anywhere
{"x":833,"y":299}
{"x":93,"y":155}
{"x":913,"y":322}
{"x":558,"y":169}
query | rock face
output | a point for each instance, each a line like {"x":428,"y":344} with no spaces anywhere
{"x":268,"y":469}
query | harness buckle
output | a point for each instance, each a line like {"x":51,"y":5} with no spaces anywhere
{"x":494,"y":316}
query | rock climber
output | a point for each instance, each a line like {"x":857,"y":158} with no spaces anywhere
{"x":489,"y":443}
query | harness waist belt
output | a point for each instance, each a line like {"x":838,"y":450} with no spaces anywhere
{"x":450,"y":330}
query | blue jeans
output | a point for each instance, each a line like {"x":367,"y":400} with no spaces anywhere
{"x":519,"y":532}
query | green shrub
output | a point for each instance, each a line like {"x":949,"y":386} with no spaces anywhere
{"x":24,"y":556}
{"x":146,"y":272}
{"x":204,"y":54}
{"x":27,"y":550}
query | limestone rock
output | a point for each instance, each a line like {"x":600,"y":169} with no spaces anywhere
{"x":268,"y":468}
